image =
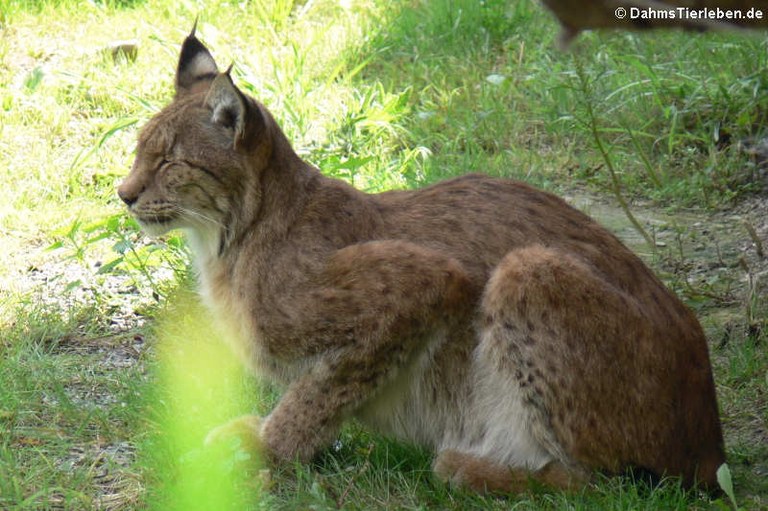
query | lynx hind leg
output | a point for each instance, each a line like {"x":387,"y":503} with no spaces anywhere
{"x":557,"y":343}
{"x":487,"y":475}
{"x":542,"y":370}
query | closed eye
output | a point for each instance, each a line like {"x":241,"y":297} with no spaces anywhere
{"x":205,"y":171}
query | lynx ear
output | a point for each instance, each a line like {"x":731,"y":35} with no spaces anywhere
{"x":231,"y":109}
{"x":196,"y":69}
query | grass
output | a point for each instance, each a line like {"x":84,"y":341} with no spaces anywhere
{"x":385,"y":94}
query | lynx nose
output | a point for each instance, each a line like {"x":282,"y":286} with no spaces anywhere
{"x":128,"y":194}
{"x":129,"y":199}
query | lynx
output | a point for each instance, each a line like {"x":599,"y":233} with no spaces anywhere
{"x":480,"y":318}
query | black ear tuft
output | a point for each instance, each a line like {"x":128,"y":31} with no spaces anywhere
{"x":196,"y":69}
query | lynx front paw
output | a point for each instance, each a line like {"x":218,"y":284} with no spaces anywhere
{"x":245,"y":429}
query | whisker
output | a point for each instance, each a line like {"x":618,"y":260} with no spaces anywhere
{"x":200,"y":217}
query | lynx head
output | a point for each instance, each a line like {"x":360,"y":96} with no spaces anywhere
{"x":198,"y":161}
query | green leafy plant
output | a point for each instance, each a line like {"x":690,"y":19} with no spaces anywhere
{"x":725,"y":481}
{"x":131,"y":254}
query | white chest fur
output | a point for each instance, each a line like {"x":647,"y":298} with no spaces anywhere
{"x":237,"y":322}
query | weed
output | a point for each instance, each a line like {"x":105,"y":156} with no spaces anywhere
{"x":590,"y":121}
{"x":132,"y":255}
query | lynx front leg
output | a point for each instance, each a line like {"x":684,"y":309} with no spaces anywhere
{"x":372,"y":310}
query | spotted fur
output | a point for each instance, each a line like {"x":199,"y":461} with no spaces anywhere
{"x":480,"y":318}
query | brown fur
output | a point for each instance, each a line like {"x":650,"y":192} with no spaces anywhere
{"x":478,"y":317}
{"x":483,"y":475}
